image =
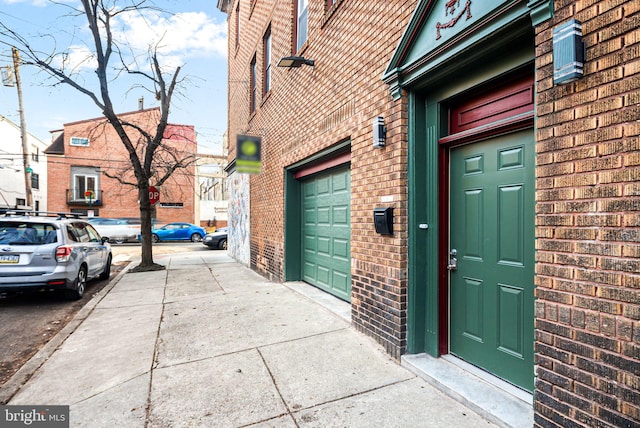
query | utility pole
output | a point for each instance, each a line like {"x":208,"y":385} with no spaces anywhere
{"x":23,"y":130}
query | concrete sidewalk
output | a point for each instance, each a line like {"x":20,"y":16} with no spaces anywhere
{"x":209,"y":343}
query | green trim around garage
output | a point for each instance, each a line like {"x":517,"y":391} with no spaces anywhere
{"x":293,"y":202}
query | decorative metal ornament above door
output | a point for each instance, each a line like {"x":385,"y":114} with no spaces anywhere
{"x":450,"y":8}
{"x":446,"y":31}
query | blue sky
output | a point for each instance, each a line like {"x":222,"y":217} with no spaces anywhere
{"x":193,"y":35}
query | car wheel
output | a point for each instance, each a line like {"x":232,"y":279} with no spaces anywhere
{"x":154,"y":238}
{"x":107,"y":269}
{"x":119,"y":241}
{"x":196,"y":237}
{"x":78,"y":287}
{"x":223,"y":244}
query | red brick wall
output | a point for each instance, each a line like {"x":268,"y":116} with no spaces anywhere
{"x":107,"y":152}
{"x":311,"y":109}
{"x":588,"y":223}
{"x":588,"y":196}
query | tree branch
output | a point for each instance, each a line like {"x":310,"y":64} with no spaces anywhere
{"x":152,"y":154}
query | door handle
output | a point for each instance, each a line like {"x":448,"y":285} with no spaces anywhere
{"x":453,"y":260}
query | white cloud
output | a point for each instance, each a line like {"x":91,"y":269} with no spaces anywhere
{"x":76,"y":60}
{"x":38,"y":3}
{"x":178,"y":37}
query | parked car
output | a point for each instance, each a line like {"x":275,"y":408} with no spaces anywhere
{"x":177,"y":232}
{"x":51,"y":252}
{"x":118,"y":230}
{"x":136,"y":220}
{"x":217,"y":239}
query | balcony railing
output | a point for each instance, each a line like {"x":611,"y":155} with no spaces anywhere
{"x":77,"y":198}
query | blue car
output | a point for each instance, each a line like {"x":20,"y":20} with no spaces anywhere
{"x":177,"y":232}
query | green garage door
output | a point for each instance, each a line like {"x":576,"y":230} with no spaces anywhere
{"x":326,"y":250}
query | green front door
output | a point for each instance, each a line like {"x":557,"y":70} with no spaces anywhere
{"x":326,"y":232}
{"x":492,"y":232}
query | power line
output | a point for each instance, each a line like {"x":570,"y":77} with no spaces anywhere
{"x":180,"y":172}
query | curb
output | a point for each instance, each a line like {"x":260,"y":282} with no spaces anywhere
{"x":13,"y":385}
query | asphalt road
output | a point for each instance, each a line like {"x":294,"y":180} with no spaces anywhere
{"x":30,"y":320}
{"x":131,"y":250}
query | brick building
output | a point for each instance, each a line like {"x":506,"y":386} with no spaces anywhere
{"x":513,"y":191}
{"x":87,"y":156}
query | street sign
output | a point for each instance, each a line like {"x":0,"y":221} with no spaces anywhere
{"x":154,"y":195}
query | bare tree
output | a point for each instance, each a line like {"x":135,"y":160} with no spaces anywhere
{"x":152,"y":161}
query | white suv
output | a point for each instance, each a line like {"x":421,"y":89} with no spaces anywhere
{"x":119,"y":230}
{"x":58,"y":252}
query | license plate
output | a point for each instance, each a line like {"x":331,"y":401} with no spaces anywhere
{"x":9,"y":258}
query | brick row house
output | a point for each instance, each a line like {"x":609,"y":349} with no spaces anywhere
{"x":464,"y":173}
{"x":89,"y":168}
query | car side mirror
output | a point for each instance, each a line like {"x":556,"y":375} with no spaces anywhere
{"x":104,"y":239}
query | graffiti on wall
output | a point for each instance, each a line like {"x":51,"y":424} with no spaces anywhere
{"x":238,"y":244}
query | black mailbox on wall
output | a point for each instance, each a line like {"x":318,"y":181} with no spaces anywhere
{"x":383,"y":220}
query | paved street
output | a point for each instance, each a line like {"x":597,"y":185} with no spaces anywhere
{"x":130,"y":251}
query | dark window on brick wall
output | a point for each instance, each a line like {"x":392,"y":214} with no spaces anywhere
{"x":266,"y":72}
{"x":252,"y":80}
{"x":238,"y":24}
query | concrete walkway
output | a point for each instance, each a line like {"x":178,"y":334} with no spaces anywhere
{"x":209,"y":343}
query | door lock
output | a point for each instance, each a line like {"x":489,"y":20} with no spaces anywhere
{"x":453,"y":261}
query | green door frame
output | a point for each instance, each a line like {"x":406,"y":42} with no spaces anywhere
{"x":427,"y":191}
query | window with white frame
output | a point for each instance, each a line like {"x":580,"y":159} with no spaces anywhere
{"x":35,"y":181}
{"x":302,"y":22}
{"x":85,"y":180}
{"x":267,"y":62}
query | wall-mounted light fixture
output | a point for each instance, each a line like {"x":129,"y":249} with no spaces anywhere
{"x":295,"y":62}
{"x":568,"y":52}
{"x":379,"y":132}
